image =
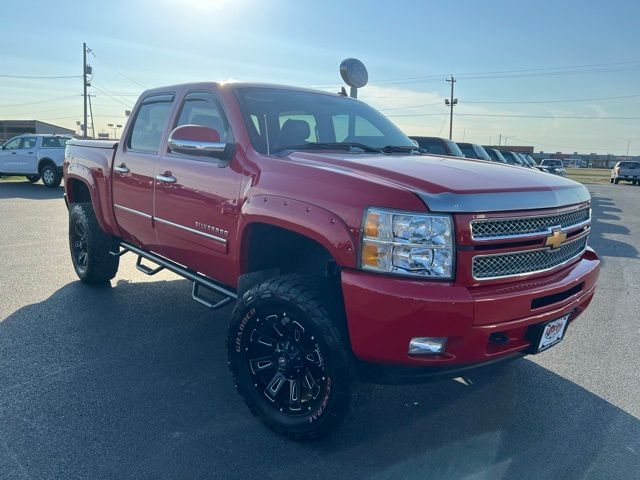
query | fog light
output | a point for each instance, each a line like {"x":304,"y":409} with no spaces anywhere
{"x":427,"y":345}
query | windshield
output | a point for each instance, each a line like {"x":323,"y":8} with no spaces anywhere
{"x":453,"y":147}
{"x":495,"y":155}
{"x":552,"y":163}
{"x":287,"y":119}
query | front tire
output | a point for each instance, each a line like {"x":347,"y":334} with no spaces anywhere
{"x":33,"y":178}
{"x":90,"y":247}
{"x":289,"y":357}
{"x":50,"y":176}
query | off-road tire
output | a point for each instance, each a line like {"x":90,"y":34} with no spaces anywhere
{"x":308,"y":301}
{"x":50,"y":176}
{"x":33,"y":178}
{"x":97,"y":265}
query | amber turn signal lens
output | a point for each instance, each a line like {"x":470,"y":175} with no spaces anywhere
{"x":370,"y":254}
{"x":371,"y":225}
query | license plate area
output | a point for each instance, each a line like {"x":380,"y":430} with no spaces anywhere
{"x":548,"y":334}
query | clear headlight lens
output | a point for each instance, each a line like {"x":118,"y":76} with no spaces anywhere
{"x":409,"y":244}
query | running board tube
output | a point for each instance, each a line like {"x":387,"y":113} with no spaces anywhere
{"x":198,"y":279}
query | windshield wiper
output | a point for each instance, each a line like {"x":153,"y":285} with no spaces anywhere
{"x":401,"y":149}
{"x":330,"y":146}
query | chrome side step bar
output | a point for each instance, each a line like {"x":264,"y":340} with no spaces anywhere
{"x":198,"y":279}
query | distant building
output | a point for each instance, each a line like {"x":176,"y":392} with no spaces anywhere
{"x":515,"y":148}
{"x":11,"y":128}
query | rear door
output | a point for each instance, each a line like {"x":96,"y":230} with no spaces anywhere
{"x":134,"y":170}
{"x":196,"y":210}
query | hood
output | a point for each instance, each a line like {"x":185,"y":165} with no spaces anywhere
{"x":451,"y":184}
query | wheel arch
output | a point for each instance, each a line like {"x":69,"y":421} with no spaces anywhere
{"x":284,"y":229}
{"x":43,"y":161}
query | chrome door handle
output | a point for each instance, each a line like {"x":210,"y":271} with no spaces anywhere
{"x":166,"y":178}
{"x":121,"y":168}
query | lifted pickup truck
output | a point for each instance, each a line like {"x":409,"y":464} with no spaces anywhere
{"x":35,"y":156}
{"x":350,"y":255}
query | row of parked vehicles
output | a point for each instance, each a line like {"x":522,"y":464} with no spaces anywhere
{"x":40,"y":156}
{"x":442,"y":146}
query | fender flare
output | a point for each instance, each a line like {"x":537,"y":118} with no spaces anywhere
{"x":311,"y":221}
{"x":43,"y":160}
{"x":101,"y":201}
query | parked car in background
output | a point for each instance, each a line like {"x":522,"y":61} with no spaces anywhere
{"x":439,"y":146}
{"x":629,"y":171}
{"x":473,"y":150}
{"x":525,"y":161}
{"x":34,"y":156}
{"x":496,"y":155}
{"x":512,"y":158}
{"x":554,"y":165}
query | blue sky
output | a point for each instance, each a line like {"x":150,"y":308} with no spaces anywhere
{"x":409,"y":48}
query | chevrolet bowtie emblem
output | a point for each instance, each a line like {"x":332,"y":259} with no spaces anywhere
{"x":555,"y":239}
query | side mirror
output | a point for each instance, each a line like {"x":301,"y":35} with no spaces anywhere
{"x":198,"y":141}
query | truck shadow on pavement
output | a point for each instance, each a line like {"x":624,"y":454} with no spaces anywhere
{"x":24,"y":189}
{"x":604,"y":212}
{"x":131,"y":381}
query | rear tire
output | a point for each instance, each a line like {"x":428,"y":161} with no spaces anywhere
{"x":290,"y":357}
{"x":90,"y":247}
{"x":33,"y":178}
{"x":50,"y":176}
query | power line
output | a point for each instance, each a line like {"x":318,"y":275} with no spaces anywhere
{"x":38,"y":77}
{"x":39,"y":101}
{"x":411,"y":106}
{"x":528,"y":72}
{"x":104,"y":90}
{"x":579,"y":117}
{"x":116,"y":70}
{"x":552,"y":101}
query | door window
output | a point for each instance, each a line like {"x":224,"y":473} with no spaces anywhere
{"x":29,"y":142}
{"x":149,"y":124}
{"x":13,"y":144}
{"x":204,"y":109}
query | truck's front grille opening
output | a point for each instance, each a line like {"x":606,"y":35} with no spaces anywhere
{"x":487,"y":267}
{"x":556,"y":297}
{"x":510,"y":227}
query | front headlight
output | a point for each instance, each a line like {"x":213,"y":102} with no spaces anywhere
{"x":416,"y":244}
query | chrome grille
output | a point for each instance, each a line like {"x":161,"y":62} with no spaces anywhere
{"x":510,"y":227}
{"x":530,"y":261}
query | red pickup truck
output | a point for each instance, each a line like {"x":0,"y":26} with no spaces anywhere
{"x":350,"y":255}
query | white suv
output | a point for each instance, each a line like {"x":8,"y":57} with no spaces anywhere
{"x":35,"y":156}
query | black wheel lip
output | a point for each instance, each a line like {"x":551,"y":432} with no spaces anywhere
{"x":84,"y":248}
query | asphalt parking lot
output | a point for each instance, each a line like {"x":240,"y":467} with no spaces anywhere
{"x":130,"y":381}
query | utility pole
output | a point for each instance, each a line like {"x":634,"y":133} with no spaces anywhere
{"x":629,"y":140}
{"x":84,"y":87}
{"x":451,"y":103}
{"x":500,"y":140}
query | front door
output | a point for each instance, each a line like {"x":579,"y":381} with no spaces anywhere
{"x":196,"y":206}
{"x":15,"y":153}
{"x":134,"y":171}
